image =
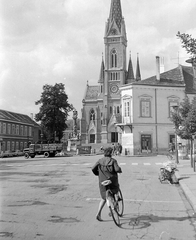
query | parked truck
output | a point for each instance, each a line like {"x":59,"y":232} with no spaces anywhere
{"x":48,"y":150}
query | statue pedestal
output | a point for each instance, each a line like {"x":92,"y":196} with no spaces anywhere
{"x":72,"y":144}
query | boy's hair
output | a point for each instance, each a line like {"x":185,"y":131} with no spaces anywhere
{"x":108,"y":152}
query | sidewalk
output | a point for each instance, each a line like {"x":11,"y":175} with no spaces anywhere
{"x":187,"y":180}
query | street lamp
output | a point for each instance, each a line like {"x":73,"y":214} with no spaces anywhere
{"x":176,"y":140}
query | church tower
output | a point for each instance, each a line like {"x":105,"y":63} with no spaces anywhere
{"x":115,"y":41}
{"x":101,"y":103}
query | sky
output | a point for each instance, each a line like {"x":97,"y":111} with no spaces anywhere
{"x":61,"y":41}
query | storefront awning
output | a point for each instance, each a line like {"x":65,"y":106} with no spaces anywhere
{"x":123,"y":125}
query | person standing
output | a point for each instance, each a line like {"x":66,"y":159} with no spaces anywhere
{"x":106,"y":168}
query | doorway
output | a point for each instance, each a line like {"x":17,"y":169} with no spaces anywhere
{"x":146,"y":143}
{"x":114,"y":137}
{"x":92,"y":138}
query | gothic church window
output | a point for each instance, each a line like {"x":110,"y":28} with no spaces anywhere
{"x":114,"y":76}
{"x":92,"y":115}
{"x":114,"y":58}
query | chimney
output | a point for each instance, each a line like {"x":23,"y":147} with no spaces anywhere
{"x":157,"y":68}
{"x":162,"y":65}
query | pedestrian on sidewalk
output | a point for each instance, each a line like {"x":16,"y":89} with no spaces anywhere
{"x":106,"y":168}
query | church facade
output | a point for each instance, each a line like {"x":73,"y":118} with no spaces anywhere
{"x":102,"y":109}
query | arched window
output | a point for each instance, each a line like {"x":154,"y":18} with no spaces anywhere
{"x":118,"y":109}
{"x":92,"y":115}
{"x":113,"y":58}
{"x":111,"y":110}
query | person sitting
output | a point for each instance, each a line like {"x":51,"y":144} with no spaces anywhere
{"x":106,"y":168}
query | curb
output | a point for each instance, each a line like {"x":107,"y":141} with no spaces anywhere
{"x":190,"y":196}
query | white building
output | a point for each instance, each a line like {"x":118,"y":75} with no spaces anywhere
{"x":146,"y":109}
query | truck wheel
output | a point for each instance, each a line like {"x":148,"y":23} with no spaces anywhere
{"x":46,"y":154}
{"x":32,"y":156}
{"x":26,"y":155}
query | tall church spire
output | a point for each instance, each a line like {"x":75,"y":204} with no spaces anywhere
{"x":115,"y":25}
{"x":138,"y":75}
{"x":101,"y":76}
{"x":130,"y":74}
{"x":116,"y":13}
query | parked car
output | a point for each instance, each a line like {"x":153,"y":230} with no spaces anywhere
{"x":18,"y":153}
{"x":7,"y":154}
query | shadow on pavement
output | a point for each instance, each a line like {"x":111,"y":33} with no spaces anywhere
{"x":144,"y":221}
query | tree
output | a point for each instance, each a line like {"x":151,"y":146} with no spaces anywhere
{"x":180,"y":119}
{"x":189,"y":43}
{"x":189,"y":118}
{"x":53,"y":111}
{"x":184,"y":120}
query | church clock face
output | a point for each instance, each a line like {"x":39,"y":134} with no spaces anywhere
{"x":114,"y":89}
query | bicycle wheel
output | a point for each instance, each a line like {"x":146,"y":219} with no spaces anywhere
{"x":113,"y":210}
{"x":120,"y":203}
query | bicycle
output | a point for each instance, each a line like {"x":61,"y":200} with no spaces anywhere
{"x":170,"y":156}
{"x":167,"y":173}
{"x":114,"y":202}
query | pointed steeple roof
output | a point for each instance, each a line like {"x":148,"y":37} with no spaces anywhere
{"x":101,"y":76}
{"x":116,"y":13}
{"x":130,"y":74}
{"x":138,"y":75}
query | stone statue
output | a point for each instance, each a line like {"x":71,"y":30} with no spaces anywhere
{"x":75,"y":116}
{"x":74,"y":139}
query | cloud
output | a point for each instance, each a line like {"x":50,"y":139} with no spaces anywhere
{"x":63,"y":66}
{"x":49,"y":41}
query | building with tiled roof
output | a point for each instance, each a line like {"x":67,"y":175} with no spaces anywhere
{"x":125,"y":108}
{"x":146,"y":109}
{"x":16,"y":131}
{"x":101,"y":103}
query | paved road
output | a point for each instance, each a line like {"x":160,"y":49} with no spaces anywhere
{"x":57,"y":199}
